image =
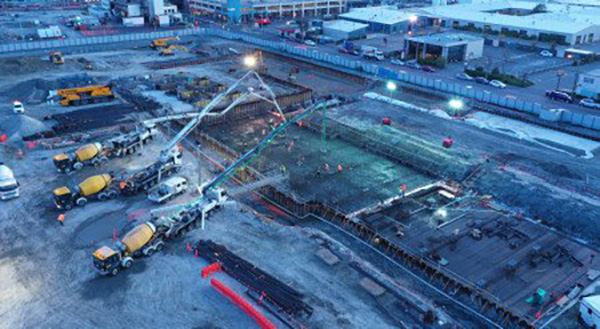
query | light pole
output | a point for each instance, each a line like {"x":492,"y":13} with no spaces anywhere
{"x":250,"y":61}
{"x":391,"y":87}
{"x":456,"y":105}
{"x":559,"y":74}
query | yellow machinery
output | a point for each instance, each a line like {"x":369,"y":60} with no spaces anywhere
{"x":56,"y":57}
{"x":139,"y":240}
{"x":85,"y":95}
{"x":169,"y":50}
{"x":162,"y":43}
{"x":99,"y":187}
{"x":87,"y":154}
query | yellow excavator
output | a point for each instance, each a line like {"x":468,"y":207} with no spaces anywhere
{"x":169,"y":50}
{"x":162,"y":43}
{"x":100,"y":187}
{"x":56,"y":57}
{"x":85,"y":95}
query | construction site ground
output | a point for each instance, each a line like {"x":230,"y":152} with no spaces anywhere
{"x":46,"y":270}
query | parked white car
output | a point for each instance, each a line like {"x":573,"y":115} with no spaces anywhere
{"x":18,"y":107}
{"x":587,"y":102}
{"x":546,"y":53}
{"x":398,"y":62}
{"x":309,"y":43}
{"x":497,"y":84}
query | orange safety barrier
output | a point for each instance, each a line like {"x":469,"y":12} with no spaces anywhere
{"x":210,"y":269}
{"x":241,"y":303}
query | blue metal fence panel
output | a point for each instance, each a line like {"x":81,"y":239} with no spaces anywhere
{"x":588,"y":121}
{"x":596,"y":124}
{"x":577,"y":119}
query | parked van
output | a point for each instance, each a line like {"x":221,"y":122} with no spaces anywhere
{"x":9,"y":187}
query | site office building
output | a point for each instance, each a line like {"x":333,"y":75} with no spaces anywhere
{"x":247,"y":10}
{"x":588,"y":84}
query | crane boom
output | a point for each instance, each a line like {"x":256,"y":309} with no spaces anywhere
{"x":205,"y":111}
{"x":186,"y":115}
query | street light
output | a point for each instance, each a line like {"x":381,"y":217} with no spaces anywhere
{"x":250,"y":61}
{"x":413,"y":19}
{"x":456,"y":104}
{"x":391,"y":86}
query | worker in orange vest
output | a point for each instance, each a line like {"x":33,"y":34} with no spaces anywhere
{"x":122,"y":184}
{"x":61,"y":219}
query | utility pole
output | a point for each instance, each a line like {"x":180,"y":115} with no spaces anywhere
{"x":324,"y":133}
{"x":559,"y":74}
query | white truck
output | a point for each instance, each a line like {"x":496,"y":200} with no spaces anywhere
{"x":149,"y":237}
{"x":18,"y":107}
{"x":9,"y":187}
{"x":169,"y":189}
{"x":369,"y":52}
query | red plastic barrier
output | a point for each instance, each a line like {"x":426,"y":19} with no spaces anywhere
{"x":241,"y":303}
{"x":210,"y":269}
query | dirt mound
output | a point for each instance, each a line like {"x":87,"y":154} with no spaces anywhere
{"x":16,"y":66}
{"x":16,"y":126}
{"x":35,"y":91}
{"x":559,"y":170}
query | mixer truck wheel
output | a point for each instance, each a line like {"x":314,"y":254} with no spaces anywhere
{"x":115,"y":271}
{"x":159,"y":247}
{"x":68,"y":207}
{"x":127,"y":262}
{"x":102,"y":196}
{"x":67,"y":170}
{"x":112,"y":194}
{"x":81,"y":202}
{"x":78,"y":165}
{"x":150,"y":252}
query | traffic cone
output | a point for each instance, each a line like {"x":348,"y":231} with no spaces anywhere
{"x":188,"y":247}
{"x":196,"y":255}
{"x":339,"y":167}
{"x":326,"y":167}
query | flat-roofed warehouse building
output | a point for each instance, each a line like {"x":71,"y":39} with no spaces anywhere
{"x":454,"y":47}
{"x":553,"y":23}
{"x":383,"y":19}
{"x":246,"y":10}
{"x":344,"y":30}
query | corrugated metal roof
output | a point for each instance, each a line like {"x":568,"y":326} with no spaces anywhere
{"x":558,"y":18}
{"x":345,"y":26}
{"x":382,"y":15}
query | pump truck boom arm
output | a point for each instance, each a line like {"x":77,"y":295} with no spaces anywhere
{"x":168,"y":149}
{"x":149,"y":237}
{"x":245,"y":159}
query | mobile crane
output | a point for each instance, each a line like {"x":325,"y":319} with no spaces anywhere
{"x":85,"y":95}
{"x":168,"y":51}
{"x":150,"y":237}
{"x":162,"y":43}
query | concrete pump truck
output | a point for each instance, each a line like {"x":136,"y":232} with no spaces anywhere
{"x":150,"y":237}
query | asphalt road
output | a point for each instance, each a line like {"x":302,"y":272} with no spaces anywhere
{"x":543,"y":81}
{"x":536,"y":93}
